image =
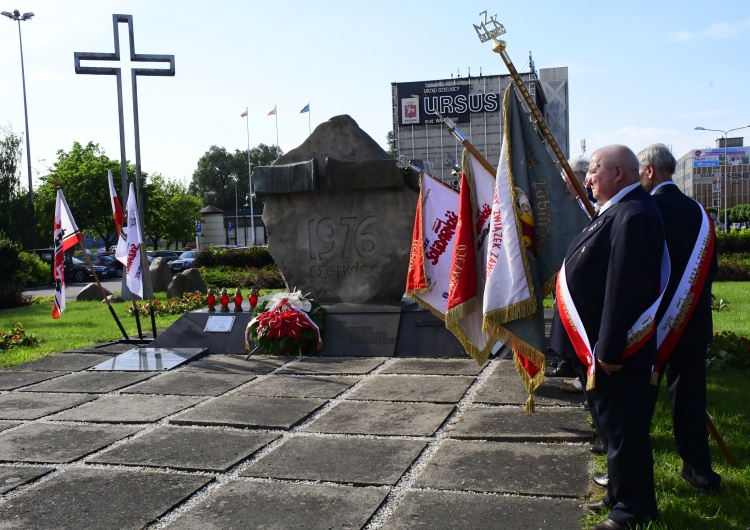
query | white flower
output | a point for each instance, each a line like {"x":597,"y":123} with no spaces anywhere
{"x":294,"y":298}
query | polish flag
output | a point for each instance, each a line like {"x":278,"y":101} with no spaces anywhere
{"x":116,"y":209}
{"x":66,"y":236}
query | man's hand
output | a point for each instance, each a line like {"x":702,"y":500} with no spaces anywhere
{"x":609,"y":369}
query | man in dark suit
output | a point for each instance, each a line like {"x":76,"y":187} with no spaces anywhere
{"x":608,"y":292}
{"x":690,"y":240}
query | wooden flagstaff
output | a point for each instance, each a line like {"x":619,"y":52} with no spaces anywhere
{"x":720,"y":441}
{"x":499,"y":47}
{"x":456,"y":132}
{"x":101,"y":289}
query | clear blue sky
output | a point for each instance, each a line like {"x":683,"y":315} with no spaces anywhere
{"x":639,"y":72}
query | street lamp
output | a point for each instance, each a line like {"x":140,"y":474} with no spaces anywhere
{"x":726,"y":137}
{"x":18,"y":17}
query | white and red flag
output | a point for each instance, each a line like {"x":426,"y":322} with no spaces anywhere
{"x":129,"y":247}
{"x":244,"y":114}
{"x":435,"y":223}
{"x":66,"y":236}
{"x":464,"y":313}
{"x":116,"y":208}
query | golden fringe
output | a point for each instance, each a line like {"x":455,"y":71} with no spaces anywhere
{"x":498,"y":317}
{"x":530,"y":404}
{"x":480,"y":356}
{"x":655,"y":378}
{"x":537,"y":359}
{"x":591,"y":382}
{"x":425,"y":305}
{"x":461,"y":311}
{"x":549,"y":286}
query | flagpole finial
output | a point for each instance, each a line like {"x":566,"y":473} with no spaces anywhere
{"x":498,"y":46}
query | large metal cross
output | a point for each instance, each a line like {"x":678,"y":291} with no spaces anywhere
{"x":134,"y":73}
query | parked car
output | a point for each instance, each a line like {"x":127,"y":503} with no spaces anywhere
{"x":116,"y":264}
{"x":75,"y":269}
{"x":96,"y":259}
{"x":167,"y":255}
{"x":184,"y":262}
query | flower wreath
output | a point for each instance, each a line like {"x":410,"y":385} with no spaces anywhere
{"x":285,"y":323}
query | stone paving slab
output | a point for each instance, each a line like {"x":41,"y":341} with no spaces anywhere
{"x":190,"y":384}
{"x":113,"y":348}
{"x":8,"y":425}
{"x":251,"y":411}
{"x":546,"y":425}
{"x":237,"y":364}
{"x":432,"y":389}
{"x":299,"y":386}
{"x":54,"y":443}
{"x":530,"y":469}
{"x":90,"y":382}
{"x":333,"y":365}
{"x":27,"y":406}
{"x":433,"y":367}
{"x":61,"y":362}
{"x":397,"y":419}
{"x":442,"y":510}
{"x":358,"y":461}
{"x":245,"y":504}
{"x":187,"y":449}
{"x":12,"y":380}
{"x":504,"y":387}
{"x":12,"y":477}
{"x":97,"y":499}
{"x":128,"y":409}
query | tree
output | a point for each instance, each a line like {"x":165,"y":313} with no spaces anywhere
{"x":214,"y":178}
{"x":391,"y":142}
{"x":15,"y":215}
{"x":82,"y":175}
{"x":170,"y":211}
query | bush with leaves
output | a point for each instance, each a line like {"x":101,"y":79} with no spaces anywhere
{"x":11,"y":285}
{"x":729,"y":351}
{"x":16,"y":337}
{"x":172,"y":306}
{"x":252,"y":258}
{"x":34,"y":271}
{"x":732,"y":242}
{"x":733,"y":267}
{"x":268,"y":277}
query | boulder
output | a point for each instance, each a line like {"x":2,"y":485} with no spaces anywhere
{"x":92,"y":292}
{"x":161,"y":275}
{"x":188,"y":281}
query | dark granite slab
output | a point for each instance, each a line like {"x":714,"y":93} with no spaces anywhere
{"x":358,"y":461}
{"x":48,"y":443}
{"x":433,"y":367}
{"x":188,"y":449}
{"x":61,"y":362}
{"x":442,"y":510}
{"x":191,"y":384}
{"x":12,"y":477}
{"x":250,"y":411}
{"x":128,"y":409}
{"x":27,"y":406}
{"x":98,"y":499}
{"x":334,"y":365}
{"x":112,"y":348}
{"x":434,"y":389}
{"x":302,"y":386}
{"x":548,"y":424}
{"x":504,"y":387}
{"x":530,"y":469}
{"x":90,"y":382}
{"x":237,"y":364}
{"x":280,"y":505}
{"x":398,"y":419}
{"x":12,"y":380}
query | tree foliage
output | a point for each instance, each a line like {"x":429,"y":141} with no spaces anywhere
{"x":391,"y":143}
{"x":82,"y":175}
{"x":170,"y":211}
{"x":214,"y":178}
{"x":15,"y":215}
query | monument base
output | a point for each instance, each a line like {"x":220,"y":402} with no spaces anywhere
{"x":400,"y":329}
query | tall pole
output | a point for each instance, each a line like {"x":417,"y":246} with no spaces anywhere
{"x":250,"y":179}
{"x":236,"y":214}
{"x":16,"y":15}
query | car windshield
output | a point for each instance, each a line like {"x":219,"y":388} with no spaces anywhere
{"x":106,"y":259}
{"x":189,"y":254}
{"x":76,"y":261}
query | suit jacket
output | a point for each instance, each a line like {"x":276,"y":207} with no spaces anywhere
{"x":682,"y":218}
{"x":613,"y":273}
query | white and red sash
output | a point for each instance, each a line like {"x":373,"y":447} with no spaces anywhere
{"x":686,"y":296}
{"x":638,"y":334}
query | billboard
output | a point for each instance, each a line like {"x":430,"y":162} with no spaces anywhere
{"x":715,"y":157}
{"x":418,"y":102}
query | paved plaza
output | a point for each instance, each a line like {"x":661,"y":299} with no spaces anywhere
{"x":279,"y":442}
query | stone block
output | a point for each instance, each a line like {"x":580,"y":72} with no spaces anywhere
{"x":303,"y":386}
{"x":61,"y":362}
{"x":93,"y":382}
{"x":188,"y":281}
{"x":12,"y":477}
{"x":286,"y":178}
{"x":13,"y":380}
{"x":92,"y":292}
{"x":420,"y":388}
{"x":28,"y":406}
{"x":190,"y":384}
{"x":129,"y":409}
{"x":161,"y":275}
{"x":372,"y":174}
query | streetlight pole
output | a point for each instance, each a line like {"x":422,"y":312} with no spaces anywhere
{"x":726,"y":171}
{"x":18,"y":17}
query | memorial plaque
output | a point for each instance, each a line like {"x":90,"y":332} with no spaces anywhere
{"x":360,"y":330}
{"x":150,"y":359}
{"x":219,"y":324}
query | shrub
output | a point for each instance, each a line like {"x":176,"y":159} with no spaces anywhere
{"x":33,"y":270}
{"x":172,"y":306}
{"x":733,"y":267}
{"x":269,"y":277}
{"x":10,"y":263}
{"x":253,"y":257}
{"x":16,"y":337}
{"x":734,"y":241}
{"x":729,"y":351}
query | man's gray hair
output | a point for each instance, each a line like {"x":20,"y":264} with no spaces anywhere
{"x":580,"y":166}
{"x":659,"y":157}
